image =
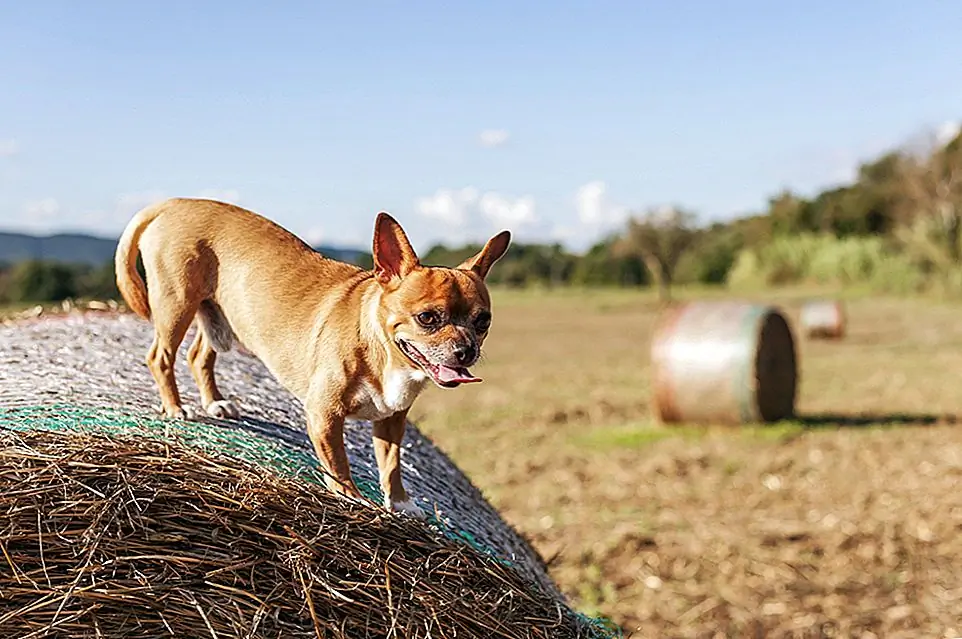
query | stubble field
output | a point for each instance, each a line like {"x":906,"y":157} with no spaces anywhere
{"x":844,"y":523}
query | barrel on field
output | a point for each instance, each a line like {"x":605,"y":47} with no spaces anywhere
{"x":823,"y":319}
{"x":724,"y":362}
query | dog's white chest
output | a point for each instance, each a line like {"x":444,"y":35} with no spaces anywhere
{"x":401,"y":388}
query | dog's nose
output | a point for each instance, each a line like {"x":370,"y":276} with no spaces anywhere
{"x":465,"y":354}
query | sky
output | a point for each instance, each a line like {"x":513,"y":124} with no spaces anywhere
{"x":555,"y":120}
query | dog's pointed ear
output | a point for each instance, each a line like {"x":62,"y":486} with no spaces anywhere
{"x":393,"y":255}
{"x":491,"y":253}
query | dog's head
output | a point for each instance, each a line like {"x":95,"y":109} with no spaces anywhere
{"x":437,"y":318}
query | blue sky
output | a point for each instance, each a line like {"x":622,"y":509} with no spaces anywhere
{"x":552,"y":119}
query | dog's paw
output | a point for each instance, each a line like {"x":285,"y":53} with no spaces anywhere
{"x":177,"y":412}
{"x":406,"y":507}
{"x":223,"y":409}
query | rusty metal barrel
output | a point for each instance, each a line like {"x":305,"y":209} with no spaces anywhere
{"x":823,"y":319}
{"x":724,"y":362}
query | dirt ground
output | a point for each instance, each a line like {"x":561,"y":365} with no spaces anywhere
{"x":844,"y":523}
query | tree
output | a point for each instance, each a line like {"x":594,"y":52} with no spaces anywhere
{"x":36,"y":281}
{"x":601,"y":266}
{"x":931,"y":179}
{"x":660,"y":238}
{"x":790,"y":214}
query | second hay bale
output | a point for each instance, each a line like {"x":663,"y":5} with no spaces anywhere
{"x":823,"y":319}
{"x":724,"y":362}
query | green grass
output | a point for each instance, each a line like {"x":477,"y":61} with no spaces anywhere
{"x":636,"y":435}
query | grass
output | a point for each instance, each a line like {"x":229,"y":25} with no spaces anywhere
{"x":663,"y":528}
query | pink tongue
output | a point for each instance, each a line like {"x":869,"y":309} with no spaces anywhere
{"x":447,"y":375}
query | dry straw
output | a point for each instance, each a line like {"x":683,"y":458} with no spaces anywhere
{"x":125,"y":536}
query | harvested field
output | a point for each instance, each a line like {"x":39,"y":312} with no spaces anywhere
{"x":846,"y":522}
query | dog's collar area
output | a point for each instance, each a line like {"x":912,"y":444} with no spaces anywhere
{"x":441,"y":374}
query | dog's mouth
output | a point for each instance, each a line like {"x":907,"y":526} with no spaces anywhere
{"x":442,"y":375}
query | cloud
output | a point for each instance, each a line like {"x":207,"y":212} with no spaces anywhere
{"x":127,"y":204}
{"x":9,"y":148}
{"x":465,"y":207}
{"x":947,"y":131}
{"x":448,"y":205}
{"x":314,"y":236}
{"x":504,"y":211}
{"x":42,"y":212}
{"x":48,"y":215}
{"x":491,"y":138}
{"x":222,"y":195}
{"x":594,"y":208}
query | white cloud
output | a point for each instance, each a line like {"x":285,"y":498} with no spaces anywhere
{"x":947,"y":132}
{"x":595,"y":209}
{"x":314,"y":236}
{"x":9,"y":148}
{"x":42,"y":209}
{"x":491,"y":138}
{"x":448,"y":205}
{"x":48,"y":215}
{"x":223,"y":195}
{"x":465,"y":207}
{"x":41,"y":212}
{"x":127,"y":204}
{"x":563,"y":233}
{"x":505,"y":211}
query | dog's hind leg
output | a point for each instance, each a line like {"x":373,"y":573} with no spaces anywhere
{"x":169,"y":331}
{"x":214,"y":335}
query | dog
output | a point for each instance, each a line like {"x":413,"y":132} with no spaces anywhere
{"x":347,"y":342}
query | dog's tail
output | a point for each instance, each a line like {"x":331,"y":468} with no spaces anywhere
{"x":129,"y":282}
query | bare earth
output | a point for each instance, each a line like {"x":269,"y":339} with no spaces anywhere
{"x":844,"y":523}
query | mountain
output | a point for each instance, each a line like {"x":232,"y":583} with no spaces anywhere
{"x":77,"y":248}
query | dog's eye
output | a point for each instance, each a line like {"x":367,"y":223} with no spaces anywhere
{"x":483,"y":321}
{"x":428,"y":318}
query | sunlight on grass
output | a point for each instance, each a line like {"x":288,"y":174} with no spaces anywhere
{"x":643,"y":434}
{"x":636,"y":435}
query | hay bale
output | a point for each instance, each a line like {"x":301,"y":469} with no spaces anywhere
{"x":723,"y":362}
{"x":103,"y":536}
{"x":179,"y":510}
{"x":823,"y":319}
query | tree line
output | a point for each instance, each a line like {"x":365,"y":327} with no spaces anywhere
{"x":898,"y":225}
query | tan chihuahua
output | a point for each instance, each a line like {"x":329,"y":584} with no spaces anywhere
{"x":348,"y":343}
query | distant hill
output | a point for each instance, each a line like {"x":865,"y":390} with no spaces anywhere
{"x":77,"y":248}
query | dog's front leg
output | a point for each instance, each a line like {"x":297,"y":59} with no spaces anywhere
{"x":326,"y":430}
{"x":388,"y":434}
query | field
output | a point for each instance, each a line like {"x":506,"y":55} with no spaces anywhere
{"x":846,"y":522}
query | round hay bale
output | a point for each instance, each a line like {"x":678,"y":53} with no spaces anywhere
{"x":823,"y":319}
{"x":118,"y":522}
{"x":103,"y":536}
{"x":723,"y":362}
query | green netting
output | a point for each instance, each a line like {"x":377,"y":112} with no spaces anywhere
{"x":266,"y":453}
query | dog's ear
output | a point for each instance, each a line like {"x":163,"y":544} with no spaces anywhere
{"x":393,"y":255}
{"x":491,"y":253}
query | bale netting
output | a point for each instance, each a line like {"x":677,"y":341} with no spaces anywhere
{"x":724,"y":362}
{"x":119,"y":523}
{"x":823,"y":319}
